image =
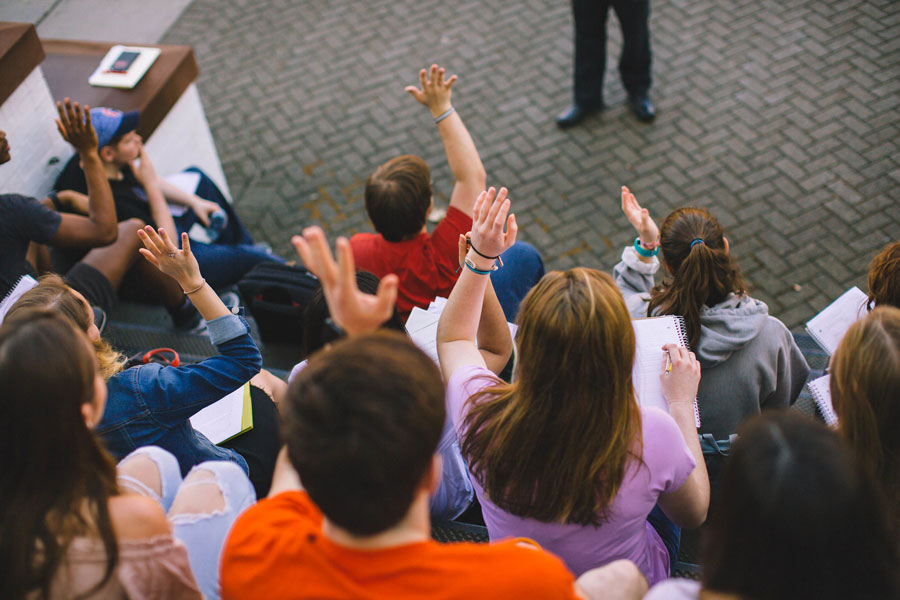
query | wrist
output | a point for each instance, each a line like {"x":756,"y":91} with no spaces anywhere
{"x":644,"y":251}
{"x":481,"y":263}
{"x":439,"y":109}
{"x":190,"y":286}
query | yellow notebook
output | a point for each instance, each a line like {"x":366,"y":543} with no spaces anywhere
{"x":227,"y":417}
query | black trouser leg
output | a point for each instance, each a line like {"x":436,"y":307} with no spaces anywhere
{"x":590,"y":50}
{"x":634,"y":65}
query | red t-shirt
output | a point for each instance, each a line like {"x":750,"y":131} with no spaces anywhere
{"x":427,"y":265}
{"x":276,"y":550}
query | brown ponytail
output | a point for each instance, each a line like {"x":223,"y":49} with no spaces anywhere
{"x":701,"y":270}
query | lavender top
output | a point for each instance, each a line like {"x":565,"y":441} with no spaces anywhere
{"x":667,"y":463}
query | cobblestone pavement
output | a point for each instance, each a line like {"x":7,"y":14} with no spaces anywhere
{"x":782,"y":117}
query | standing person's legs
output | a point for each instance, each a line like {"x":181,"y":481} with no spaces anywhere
{"x":634,"y":64}
{"x":212,"y":496}
{"x":522,"y":269}
{"x":590,"y":51}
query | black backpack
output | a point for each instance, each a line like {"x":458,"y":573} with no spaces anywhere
{"x":276,"y":295}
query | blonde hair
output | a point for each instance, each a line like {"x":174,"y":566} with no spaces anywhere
{"x":865,"y":382}
{"x":554,"y":444}
{"x":52,"y":293}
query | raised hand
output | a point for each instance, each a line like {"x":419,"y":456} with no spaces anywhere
{"x":680,"y":375}
{"x":165,"y":256}
{"x":639,"y":218}
{"x":203,"y":209}
{"x":490,"y":216}
{"x":354,"y":311}
{"x":434,"y":91}
{"x":74,"y":125}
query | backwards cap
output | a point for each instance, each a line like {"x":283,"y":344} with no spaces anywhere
{"x":110,"y":123}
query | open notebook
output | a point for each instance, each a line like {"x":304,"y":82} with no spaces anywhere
{"x":650,"y":336}
{"x":830,"y":325}
{"x":226,"y":418}
{"x":422,"y":327}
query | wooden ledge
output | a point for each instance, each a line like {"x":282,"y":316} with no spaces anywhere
{"x":69,"y":64}
{"x":20,"y":53}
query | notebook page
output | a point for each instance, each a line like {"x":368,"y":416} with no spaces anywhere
{"x":650,"y":336}
{"x":830,"y":325}
{"x":222,"y":419}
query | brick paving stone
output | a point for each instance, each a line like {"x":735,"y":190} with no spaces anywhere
{"x":782,"y":118}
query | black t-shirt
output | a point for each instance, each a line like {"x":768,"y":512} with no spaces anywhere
{"x":128,"y":193}
{"x":22,"y":220}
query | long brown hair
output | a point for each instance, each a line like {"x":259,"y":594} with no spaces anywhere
{"x":701,"y":273}
{"x":553,"y":445}
{"x":865,"y":383}
{"x":884,"y":277}
{"x":56,"y":478}
{"x":53,"y":294}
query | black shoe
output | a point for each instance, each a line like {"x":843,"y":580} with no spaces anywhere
{"x":575,"y":114}
{"x":642,"y":108}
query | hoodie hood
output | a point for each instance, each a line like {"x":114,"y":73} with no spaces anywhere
{"x":729,"y":326}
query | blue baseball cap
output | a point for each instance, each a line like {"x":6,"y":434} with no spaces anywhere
{"x":110,"y":123}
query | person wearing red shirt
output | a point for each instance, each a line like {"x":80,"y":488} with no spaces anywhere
{"x":398,"y":199}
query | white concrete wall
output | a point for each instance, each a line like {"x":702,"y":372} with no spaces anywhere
{"x":38,"y":151}
{"x":183,"y":140}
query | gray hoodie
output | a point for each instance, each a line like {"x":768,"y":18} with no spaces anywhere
{"x":749,"y":359}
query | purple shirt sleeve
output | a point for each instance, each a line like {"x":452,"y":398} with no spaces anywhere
{"x":665,"y":452}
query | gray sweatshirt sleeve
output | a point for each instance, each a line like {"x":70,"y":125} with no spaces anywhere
{"x":635,"y":280}
{"x":792,"y":372}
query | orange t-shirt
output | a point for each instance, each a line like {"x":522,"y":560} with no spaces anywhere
{"x":427,"y":265}
{"x":277,"y":550}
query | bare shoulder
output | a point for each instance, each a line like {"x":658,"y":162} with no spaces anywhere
{"x":136,"y":517}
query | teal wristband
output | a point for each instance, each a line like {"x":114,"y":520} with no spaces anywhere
{"x":470,"y":265}
{"x":643,"y":251}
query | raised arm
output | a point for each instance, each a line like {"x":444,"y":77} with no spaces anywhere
{"x":687,"y":505}
{"x":352,"y":310}
{"x":465,"y":164}
{"x":457,"y":333}
{"x":159,"y":209}
{"x":493,"y":338}
{"x":99,"y":227}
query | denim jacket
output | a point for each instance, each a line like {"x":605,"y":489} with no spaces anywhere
{"x":151,"y":404}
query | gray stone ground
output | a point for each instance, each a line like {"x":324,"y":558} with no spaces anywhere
{"x":781,"y":117}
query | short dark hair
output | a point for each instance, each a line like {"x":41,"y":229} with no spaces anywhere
{"x":362,"y":422}
{"x":796,"y":517}
{"x":316,"y":330}
{"x":398,"y":195}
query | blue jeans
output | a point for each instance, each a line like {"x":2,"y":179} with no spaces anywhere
{"x":224,"y":262}
{"x":203,"y":533}
{"x":669,"y":532}
{"x":522,"y":269}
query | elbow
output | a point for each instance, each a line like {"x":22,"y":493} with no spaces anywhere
{"x":109,"y":235}
{"x":697,"y":518}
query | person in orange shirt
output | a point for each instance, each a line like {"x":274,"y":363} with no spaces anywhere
{"x":347,"y":516}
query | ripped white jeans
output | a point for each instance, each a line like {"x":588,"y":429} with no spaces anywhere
{"x":201,"y":507}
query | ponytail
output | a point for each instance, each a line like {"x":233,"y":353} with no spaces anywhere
{"x":702,"y":271}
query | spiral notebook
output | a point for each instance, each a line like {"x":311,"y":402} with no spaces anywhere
{"x":650,"y":336}
{"x":821,"y":393}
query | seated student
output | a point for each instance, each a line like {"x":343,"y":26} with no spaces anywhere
{"x":884,"y":277}
{"x":399,"y":198}
{"x":24,"y":221}
{"x":797,"y":520}
{"x":749,"y":358}
{"x":865,"y":390}
{"x":362,"y":424}
{"x":151,"y":404}
{"x":563,"y":454}
{"x":454,"y":493}
{"x":139,"y":192}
